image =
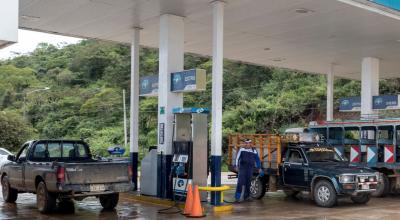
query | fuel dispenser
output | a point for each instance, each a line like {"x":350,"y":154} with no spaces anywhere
{"x":190,"y":149}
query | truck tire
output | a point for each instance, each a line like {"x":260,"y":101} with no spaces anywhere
{"x":109,"y":201}
{"x":46,"y":201}
{"x":257,"y":188}
{"x":361,"y":199}
{"x":383,"y":187}
{"x":10,"y":195}
{"x":290,"y":192}
{"x":324,"y":194}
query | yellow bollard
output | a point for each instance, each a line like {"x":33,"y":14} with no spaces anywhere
{"x":222,"y":208}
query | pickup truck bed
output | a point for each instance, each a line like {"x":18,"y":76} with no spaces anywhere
{"x":94,"y":177}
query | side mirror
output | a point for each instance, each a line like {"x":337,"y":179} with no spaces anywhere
{"x":21,"y":159}
{"x":11,"y":157}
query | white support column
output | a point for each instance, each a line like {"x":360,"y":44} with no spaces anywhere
{"x":171,"y":56}
{"x":134,"y":105}
{"x":134,"y":109}
{"x":216,"y":108}
{"x":217,"y":77}
{"x":125,"y":122}
{"x":329,"y":93}
{"x":369,"y":84}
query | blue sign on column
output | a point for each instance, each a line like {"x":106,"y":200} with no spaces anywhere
{"x":148,"y":86}
{"x":385,"y":102}
{"x":188,"y":80}
{"x":350,"y":104}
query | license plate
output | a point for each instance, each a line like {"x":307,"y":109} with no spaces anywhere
{"x":365,"y":186}
{"x":97,"y":187}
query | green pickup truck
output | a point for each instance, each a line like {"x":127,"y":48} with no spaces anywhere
{"x":323,"y":172}
{"x":304,"y":163}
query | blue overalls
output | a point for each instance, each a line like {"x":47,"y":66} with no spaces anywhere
{"x":245,"y":161}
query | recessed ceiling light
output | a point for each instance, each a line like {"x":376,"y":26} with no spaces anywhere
{"x":278,"y":59}
{"x":30,"y":18}
{"x":303,"y":10}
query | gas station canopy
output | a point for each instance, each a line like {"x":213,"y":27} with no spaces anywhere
{"x":305,"y":35}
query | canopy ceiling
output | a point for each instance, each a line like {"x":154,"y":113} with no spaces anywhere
{"x":305,"y":35}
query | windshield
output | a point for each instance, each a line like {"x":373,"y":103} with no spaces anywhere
{"x":322,"y":154}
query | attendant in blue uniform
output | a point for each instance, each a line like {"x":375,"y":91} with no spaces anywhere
{"x":247,"y":157}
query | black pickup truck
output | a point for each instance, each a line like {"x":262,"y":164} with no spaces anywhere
{"x":59,"y":170}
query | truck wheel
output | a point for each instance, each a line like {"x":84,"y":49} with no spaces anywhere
{"x":109,"y":201}
{"x":383,"y":187}
{"x":290,"y":192}
{"x":361,"y":199}
{"x":324,"y":194}
{"x":257,"y":188}
{"x":46,"y":202}
{"x":10,"y":195}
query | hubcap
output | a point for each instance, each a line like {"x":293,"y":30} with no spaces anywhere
{"x":253,"y":187}
{"x":323,"y":194}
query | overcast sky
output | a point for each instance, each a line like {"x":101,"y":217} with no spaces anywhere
{"x":28,"y":40}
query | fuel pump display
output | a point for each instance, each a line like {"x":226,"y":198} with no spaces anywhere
{"x":190,"y":138}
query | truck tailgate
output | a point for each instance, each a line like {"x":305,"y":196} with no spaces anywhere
{"x":96,"y":172}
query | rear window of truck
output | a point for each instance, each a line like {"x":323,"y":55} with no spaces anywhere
{"x":65,"y":150}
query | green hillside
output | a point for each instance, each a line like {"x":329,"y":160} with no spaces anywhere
{"x":85,"y":99}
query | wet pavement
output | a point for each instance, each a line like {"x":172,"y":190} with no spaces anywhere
{"x":272,"y":206}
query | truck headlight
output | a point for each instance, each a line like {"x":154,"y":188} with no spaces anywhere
{"x":347,"y":178}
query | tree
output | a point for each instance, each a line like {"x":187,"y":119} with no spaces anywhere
{"x":13,"y":83}
{"x":14,"y":131}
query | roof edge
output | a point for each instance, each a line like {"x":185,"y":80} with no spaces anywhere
{"x":373,"y":7}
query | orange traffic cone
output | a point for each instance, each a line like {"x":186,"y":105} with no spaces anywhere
{"x":197,"y":210}
{"x":189,"y":200}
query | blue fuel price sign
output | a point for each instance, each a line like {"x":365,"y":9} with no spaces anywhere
{"x":188,"y":80}
{"x":350,"y":104}
{"x":385,"y":102}
{"x":148,"y":86}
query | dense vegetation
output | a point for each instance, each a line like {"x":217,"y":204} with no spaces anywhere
{"x":85,"y":96}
